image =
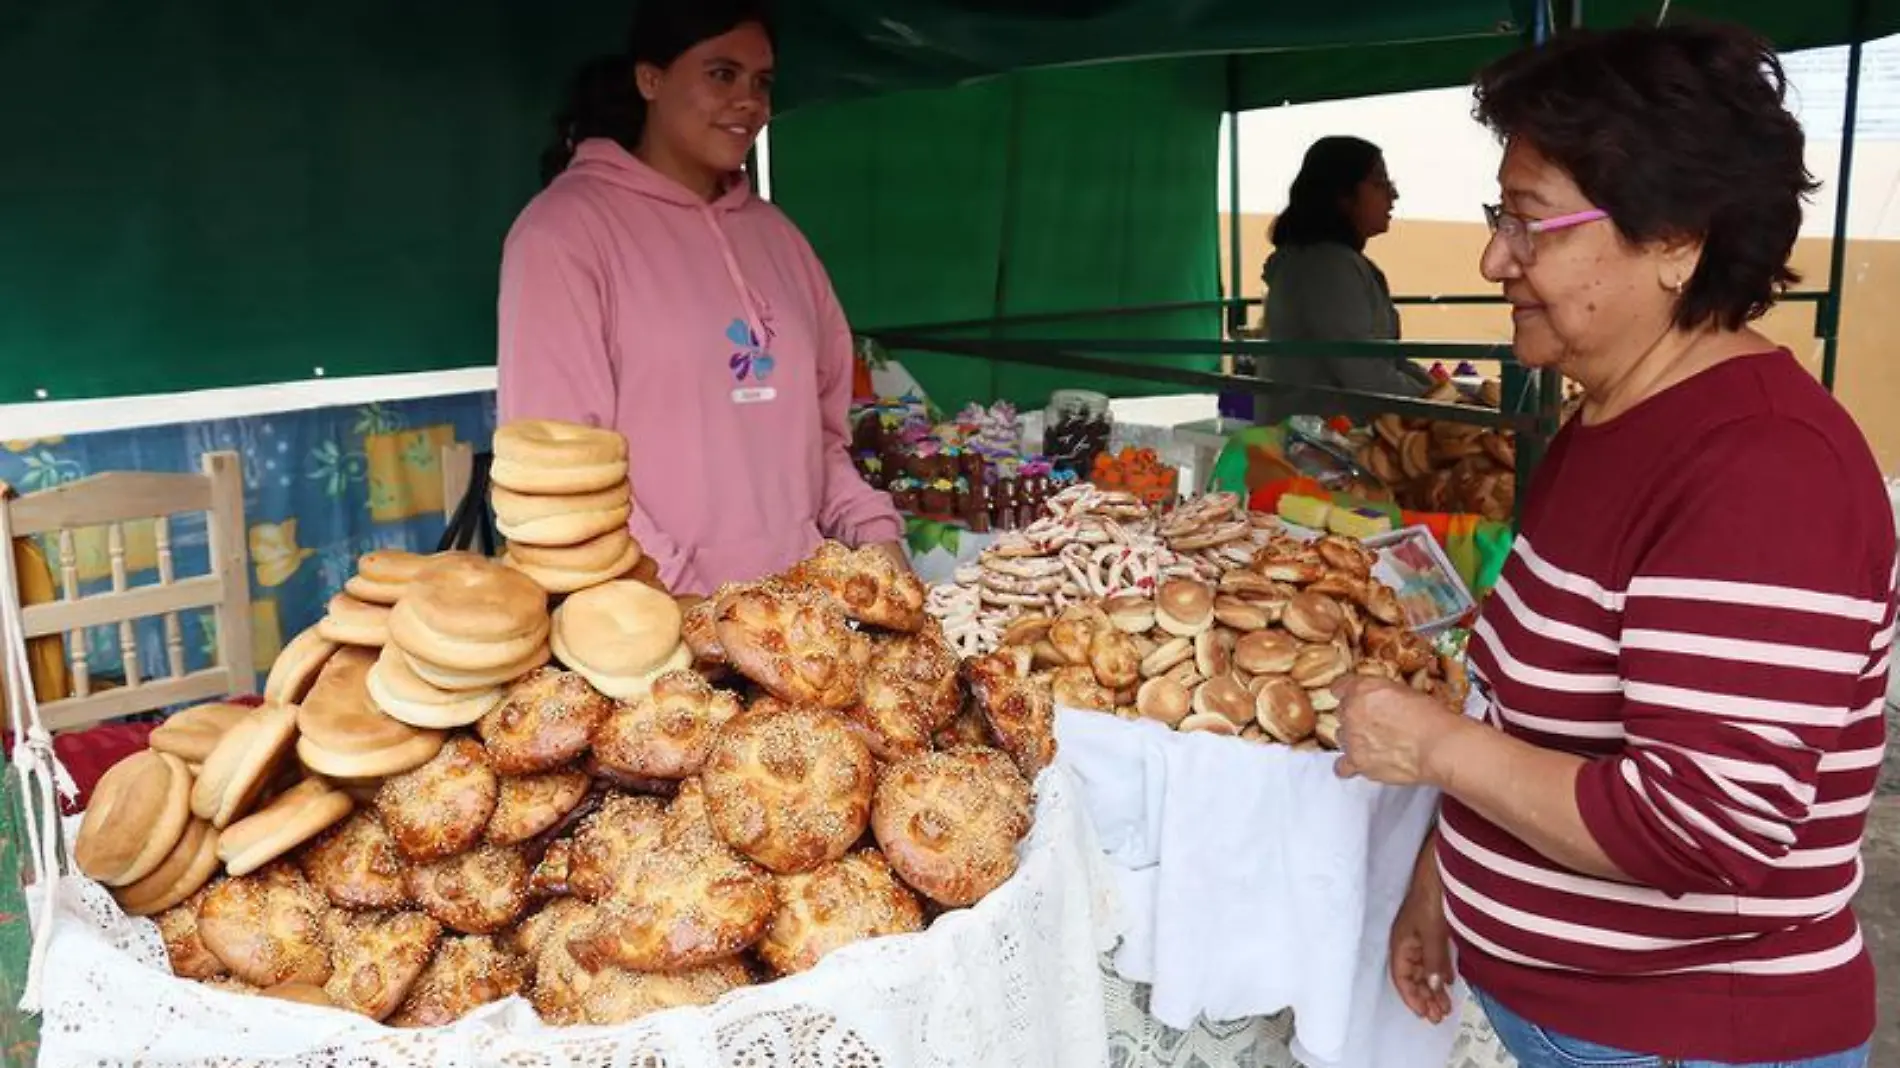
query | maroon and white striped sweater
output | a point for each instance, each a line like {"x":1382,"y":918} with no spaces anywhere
{"x":1701,"y":601}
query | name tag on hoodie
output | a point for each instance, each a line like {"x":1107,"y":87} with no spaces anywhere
{"x":754,"y":395}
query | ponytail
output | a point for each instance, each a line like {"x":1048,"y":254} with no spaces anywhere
{"x":602,"y":100}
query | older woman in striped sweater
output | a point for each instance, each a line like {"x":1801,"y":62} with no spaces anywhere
{"x":1652,"y":817}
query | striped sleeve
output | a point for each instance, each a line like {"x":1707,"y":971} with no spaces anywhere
{"x":1748,"y":624}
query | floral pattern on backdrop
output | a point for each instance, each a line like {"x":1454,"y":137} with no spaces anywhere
{"x":321,"y":487}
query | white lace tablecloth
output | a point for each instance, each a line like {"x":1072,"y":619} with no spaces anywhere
{"x":1255,"y":882}
{"x":1013,"y":981}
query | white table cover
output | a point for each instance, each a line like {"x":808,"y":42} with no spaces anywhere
{"x":1015,"y":980}
{"x":1254,"y":881}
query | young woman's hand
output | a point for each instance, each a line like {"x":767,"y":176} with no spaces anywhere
{"x":1420,"y":953}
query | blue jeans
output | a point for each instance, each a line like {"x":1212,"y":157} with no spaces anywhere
{"x":1535,"y":1047}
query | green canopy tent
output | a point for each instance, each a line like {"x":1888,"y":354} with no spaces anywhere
{"x":214,"y":194}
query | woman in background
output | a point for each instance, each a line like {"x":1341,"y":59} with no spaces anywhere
{"x":647,"y":290}
{"x":1321,"y":286}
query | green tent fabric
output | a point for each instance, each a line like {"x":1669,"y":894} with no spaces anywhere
{"x":1043,"y":192}
{"x":227,"y":193}
{"x":222,"y":194}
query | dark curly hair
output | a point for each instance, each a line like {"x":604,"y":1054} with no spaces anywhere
{"x":1677,"y":132}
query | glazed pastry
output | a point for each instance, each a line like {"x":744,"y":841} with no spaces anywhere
{"x":566,"y":994}
{"x":466,"y":973}
{"x":849,"y":900}
{"x":546,"y":722}
{"x":377,"y":958}
{"x":1019,"y":708}
{"x":793,"y":642}
{"x":356,"y":865}
{"x":789,"y":787}
{"x":442,"y":807}
{"x":550,"y":876}
{"x":949,"y":822}
{"x":478,"y":892}
{"x":267,"y":928}
{"x":178,"y":926}
{"x":668,"y":733}
{"x":689,"y":902}
{"x":610,"y":843}
{"x":866,"y":583}
{"x":531,"y":805}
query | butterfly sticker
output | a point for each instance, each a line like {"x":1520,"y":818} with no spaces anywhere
{"x":751,"y":362}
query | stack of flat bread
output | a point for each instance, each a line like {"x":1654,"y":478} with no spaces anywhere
{"x":463,"y":629}
{"x":561,"y":498}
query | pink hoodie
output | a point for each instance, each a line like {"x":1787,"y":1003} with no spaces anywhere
{"x":709,"y":335}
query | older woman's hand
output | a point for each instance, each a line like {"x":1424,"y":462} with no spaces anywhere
{"x":1387,"y":731}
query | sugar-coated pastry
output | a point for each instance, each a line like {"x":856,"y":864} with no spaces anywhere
{"x":1020,"y":708}
{"x":441,"y":808}
{"x":546,"y":722}
{"x":1076,"y":687}
{"x":793,"y":642}
{"x":531,"y":805}
{"x":466,"y":973}
{"x":356,"y":866}
{"x":699,"y":628}
{"x":689,"y":902}
{"x":969,"y":728}
{"x":948,"y":823}
{"x":789,"y":787}
{"x":911,"y":690}
{"x":268,"y":927}
{"x":848,"y":900}
{"x":178,"y":926}
{"x":566,"y":994}
{"x":481,"y":891}
{"x":550,"y":875}
{"x":668,"y":733}
{"x":377,"y":957}
{"x":866,"y":583}
{"x":609,"y":844}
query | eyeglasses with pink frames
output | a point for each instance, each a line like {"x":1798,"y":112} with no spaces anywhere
{"x":1519,"y":231}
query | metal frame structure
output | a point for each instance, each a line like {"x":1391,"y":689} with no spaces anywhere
{"x":1533,"y":400}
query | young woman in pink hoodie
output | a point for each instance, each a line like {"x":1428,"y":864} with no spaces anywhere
{"x":646,"y":289}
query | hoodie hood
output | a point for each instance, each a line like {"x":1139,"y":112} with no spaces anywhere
{"x":603,"y":159}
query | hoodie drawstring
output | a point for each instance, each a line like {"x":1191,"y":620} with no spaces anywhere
{"x":754,"y":321}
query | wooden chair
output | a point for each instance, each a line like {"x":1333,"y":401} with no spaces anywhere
{"x":112,"y":500}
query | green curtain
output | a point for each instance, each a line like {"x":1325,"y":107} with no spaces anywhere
{"x":1051,"y":191}
{"x":228,"y":192}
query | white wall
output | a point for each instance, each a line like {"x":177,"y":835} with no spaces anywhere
{"x":1445,"y":164}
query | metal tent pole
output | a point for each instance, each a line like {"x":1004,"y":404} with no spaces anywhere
{"x":1837,"y":255}
{"x":1236,"y":316}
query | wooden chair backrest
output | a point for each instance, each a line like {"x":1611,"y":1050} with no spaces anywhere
{"x":112,"y":500}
